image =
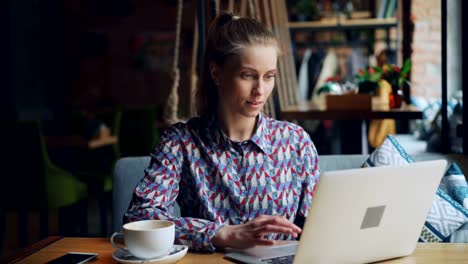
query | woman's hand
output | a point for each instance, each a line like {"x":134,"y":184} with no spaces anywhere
{"x":252,"y":233}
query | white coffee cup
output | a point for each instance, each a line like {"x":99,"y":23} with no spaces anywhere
{"x":147,"y":239}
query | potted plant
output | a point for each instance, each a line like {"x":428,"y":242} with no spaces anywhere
{"x":396,"y":77}
{"x":368,"y":80}
{"x":331,"y":85}
{"x":343,"y":96}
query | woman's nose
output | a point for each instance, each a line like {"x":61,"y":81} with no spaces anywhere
{"x":259,"y":87}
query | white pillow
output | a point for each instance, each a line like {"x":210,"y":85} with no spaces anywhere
{"x":446,"y":215}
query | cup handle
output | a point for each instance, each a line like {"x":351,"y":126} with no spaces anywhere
{"x":114,"y":244}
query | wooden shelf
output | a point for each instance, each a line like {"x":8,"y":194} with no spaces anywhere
{"x":342,"y":43}
{"x":307,"y":111}
{"x":335,"y":24}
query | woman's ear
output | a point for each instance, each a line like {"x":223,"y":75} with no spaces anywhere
{"x":215,"y":72}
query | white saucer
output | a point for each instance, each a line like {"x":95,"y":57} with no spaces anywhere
{"x":177,"y":252}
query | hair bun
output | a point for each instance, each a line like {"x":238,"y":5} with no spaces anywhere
{"x":225,"y":18}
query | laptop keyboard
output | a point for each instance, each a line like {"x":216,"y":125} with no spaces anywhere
{"x":280,"y":260}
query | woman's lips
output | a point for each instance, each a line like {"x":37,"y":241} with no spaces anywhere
{"x":255,"y":104}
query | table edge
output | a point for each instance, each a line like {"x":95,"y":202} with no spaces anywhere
{"x":29,"y":250}
{"x":349,"y":115}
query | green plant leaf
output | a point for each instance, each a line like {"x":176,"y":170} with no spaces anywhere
{"x":406,"y":67}
{"x":324,"y":89}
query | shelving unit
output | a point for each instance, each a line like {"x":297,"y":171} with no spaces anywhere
{"x":337,"y":24}
{"x":350,"y":121}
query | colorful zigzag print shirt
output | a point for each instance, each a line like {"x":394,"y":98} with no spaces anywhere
{"x":217,"y":181}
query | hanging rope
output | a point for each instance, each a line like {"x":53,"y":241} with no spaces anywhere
{"x":214,"y":4}
{"x":281,"y":76}
{"x":231,"y":6}
{"x":243,"y":8}
{"x":194,"y":80}
{"x":251,"y":9}
{"x":217,"y":7}
{"x":290,"y":66}
{"x":257,"y":11}
{"x":170,"y":112}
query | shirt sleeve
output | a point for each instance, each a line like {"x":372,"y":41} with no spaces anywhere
{"x":155,"y":194}
{"x":310,"y":173}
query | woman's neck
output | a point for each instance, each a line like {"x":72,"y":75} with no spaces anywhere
{"x":238,"y":128}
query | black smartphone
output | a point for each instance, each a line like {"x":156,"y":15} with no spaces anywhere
{"x":74,"y":258}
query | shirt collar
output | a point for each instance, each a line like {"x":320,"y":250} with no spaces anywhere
{"x":258,"y":138}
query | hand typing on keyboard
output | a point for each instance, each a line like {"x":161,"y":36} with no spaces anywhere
{"x":252,"y":233}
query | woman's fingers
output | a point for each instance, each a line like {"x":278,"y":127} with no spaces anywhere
{"x":253,"y":233}
{"x":279,"y":220}
{"x":269,"y":229}
{"x":275,"y":220}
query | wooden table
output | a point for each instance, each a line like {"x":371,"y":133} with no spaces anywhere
{"x":308,"y":111}
{"x":53,"y":247}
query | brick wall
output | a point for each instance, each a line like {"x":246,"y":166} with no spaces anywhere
{"x":426,"y":76}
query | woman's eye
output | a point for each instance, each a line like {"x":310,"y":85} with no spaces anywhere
{"x":247,"y":75}
{"x":270,"y":76}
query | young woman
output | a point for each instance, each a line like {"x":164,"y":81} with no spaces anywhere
{"x":240,"y":178}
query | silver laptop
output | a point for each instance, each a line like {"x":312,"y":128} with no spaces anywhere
{"x":359,"y":216}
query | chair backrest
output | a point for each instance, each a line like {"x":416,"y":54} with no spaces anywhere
{"x":127,"y":173}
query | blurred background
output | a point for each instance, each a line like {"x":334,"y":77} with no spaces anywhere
{"x":88,"y":82}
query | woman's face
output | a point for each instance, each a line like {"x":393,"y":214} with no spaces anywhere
{"x":246,"y":80}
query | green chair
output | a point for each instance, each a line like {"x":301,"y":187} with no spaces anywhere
{"x":138,"y":133}
{"x":30,"y":180}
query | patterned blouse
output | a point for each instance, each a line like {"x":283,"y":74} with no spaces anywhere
{"x":217,"y":181}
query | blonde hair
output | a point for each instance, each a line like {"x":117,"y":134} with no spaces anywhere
{"x":228,"y":35}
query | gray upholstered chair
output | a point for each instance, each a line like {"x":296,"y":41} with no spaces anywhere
{"x":129,"y":171}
